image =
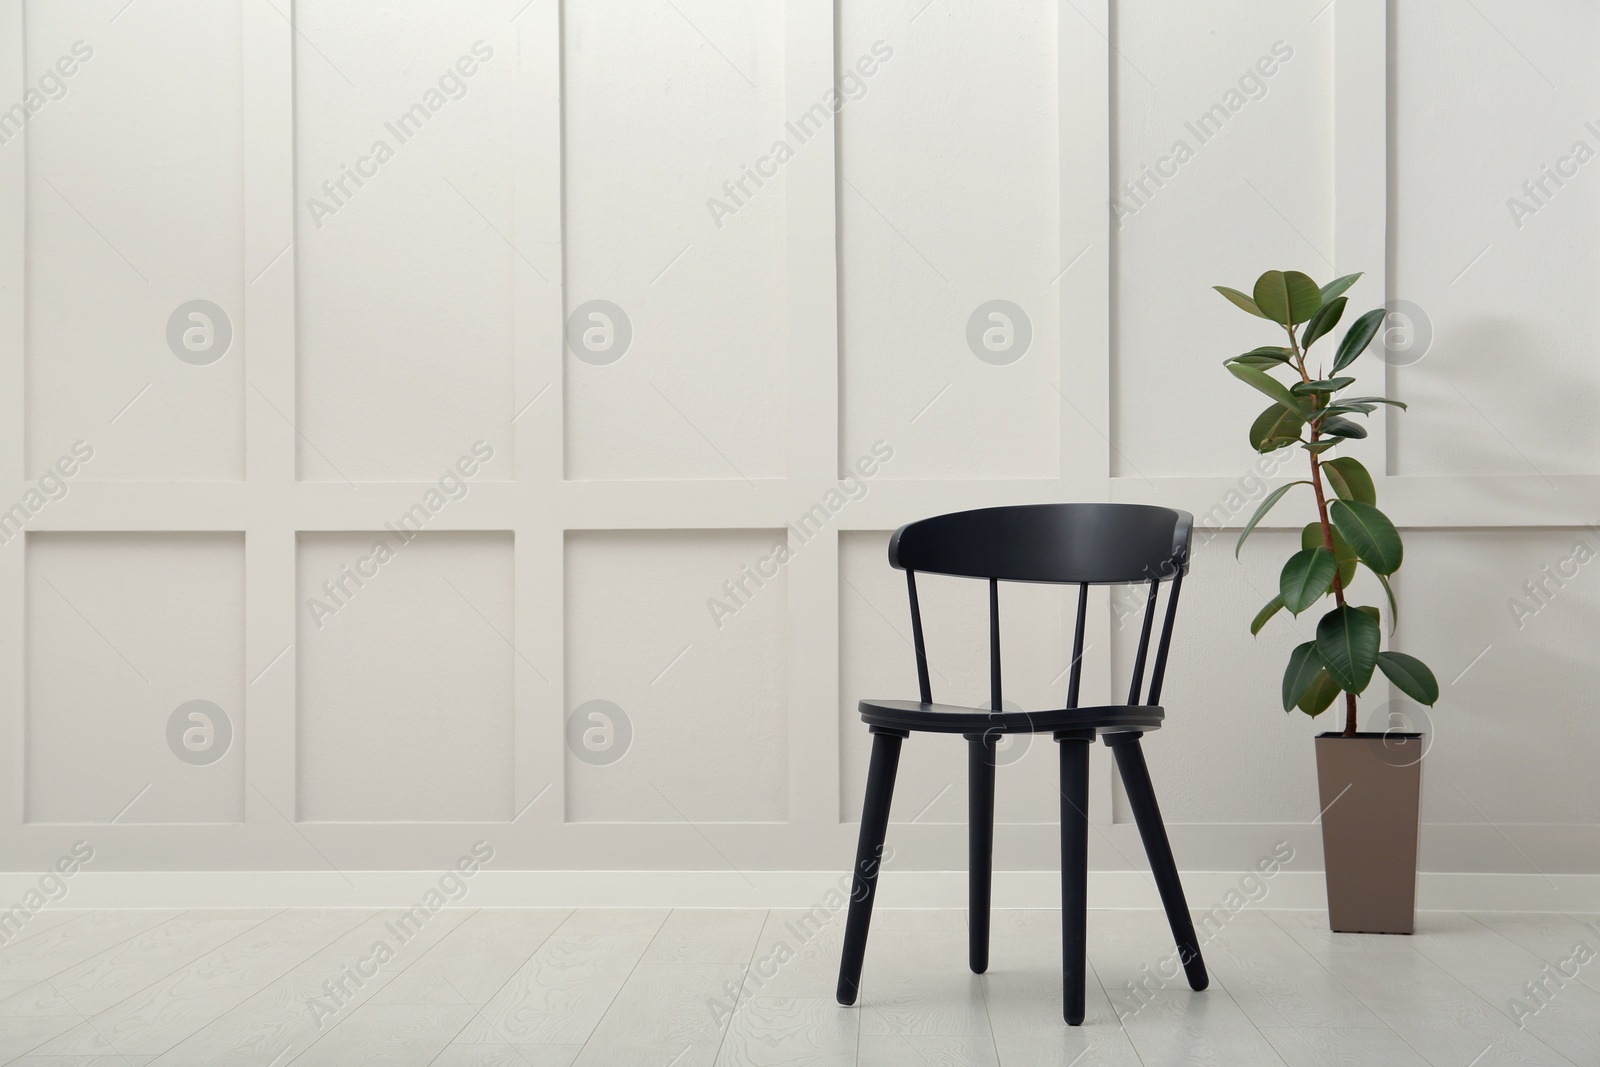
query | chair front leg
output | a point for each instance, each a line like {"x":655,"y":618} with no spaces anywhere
{"x":1142,"y":799}
{"x":869,"y":855}
{"x":980,"y":846}
{"x":1074,"y":871}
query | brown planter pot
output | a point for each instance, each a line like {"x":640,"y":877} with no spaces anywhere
{"x":1371,"y":786}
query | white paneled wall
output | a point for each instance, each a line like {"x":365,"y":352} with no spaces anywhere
{"x":948,"y":187}
{"x":496,"y":411}
{"x":132,"y":207}
{"x":404,"y":177}
{"x":405,"y":709}
{"x":702,"y":693}
{"x":122,"y":630}
{"x":658,"y":124}
{"x":1223,"y":158}
{"x":1491,"y":244}
{"x":1536,"y":675}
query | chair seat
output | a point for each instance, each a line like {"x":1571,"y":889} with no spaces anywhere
{"x":955,"y":719}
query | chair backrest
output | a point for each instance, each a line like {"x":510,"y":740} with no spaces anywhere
{"x":1065,"y":544}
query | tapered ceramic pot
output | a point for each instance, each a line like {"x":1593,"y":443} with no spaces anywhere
{"x":1371,"y":787}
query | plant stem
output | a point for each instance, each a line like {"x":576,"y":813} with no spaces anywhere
{"x":1327,"y":526}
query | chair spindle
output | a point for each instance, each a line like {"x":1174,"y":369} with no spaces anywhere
{"x":1166,"y":639}
{"x":1144,"y":642}
{"x":1077,"y":645}
{"x":995,"y":703}
{"x":916,"y":636}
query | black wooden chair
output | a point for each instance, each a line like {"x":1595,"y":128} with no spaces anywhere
{"x":1077,"y":544}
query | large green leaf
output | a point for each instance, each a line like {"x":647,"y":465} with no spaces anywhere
{"x":1311,"y":537}
{"x":1315,"y":700}
{"x":1305,"y":663}
{"x":1320,"y":385}
{"x":1358,"y":337}
{"x":1350,"y":480}
{"x":1263,"y":382}
{"x":1261,"y":512}
{"x":1306,"y":577}
{"x":1343,"y":407}
{"x":1347,"y":640}
{"x":1323,"y":322}
{"x":1338,"y":286}
{"x":1274,"y":428}
{"x":1335,"y":426}
{"x":1287,"y":297}
{"x":1264,"y":356}
{"x":1401,"y":404}
{"x":1411,"y":676}
{"x":1239,"y":300}
{"x":1370,"y":533}
{"x":1273,"y":606}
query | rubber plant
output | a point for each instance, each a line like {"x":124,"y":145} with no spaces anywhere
{"x":1310,"y":411}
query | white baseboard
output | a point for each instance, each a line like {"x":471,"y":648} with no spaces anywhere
{"x":768,"y":889}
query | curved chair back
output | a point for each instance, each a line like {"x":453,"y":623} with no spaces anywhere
{"x":1076,"y":544}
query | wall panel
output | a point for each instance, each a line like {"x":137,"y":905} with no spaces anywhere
{"x":1222,"y":169}
{"x":1473,"y":342}
{"x":675,"y":214}
{"x":1513,"y":654}
{"x":135,"y":232}
{"x":404,"y":244}
{"x":405,"y":659}
{"x":125,"y":631}
{"x":948,"y":223}
{"x":682,"y":632}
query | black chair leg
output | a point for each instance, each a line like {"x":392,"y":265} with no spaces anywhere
{"x":1074,"y":871}
{"x":980,"y":847}
{"x":869,"y":853}
{"x":1142,"y":799}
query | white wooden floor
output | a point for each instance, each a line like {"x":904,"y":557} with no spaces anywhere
{"x":642,"y":989}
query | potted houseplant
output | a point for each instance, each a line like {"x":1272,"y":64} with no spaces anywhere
{"x":1370,"y":783}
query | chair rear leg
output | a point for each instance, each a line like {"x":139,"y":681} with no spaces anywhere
{"x":1074,"y":871}
{"x":869,"y":852}
{"x":980,"y":847}
{"x":1142,"y":799}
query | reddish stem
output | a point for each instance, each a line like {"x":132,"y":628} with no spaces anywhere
{"x":1327,"y":526}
